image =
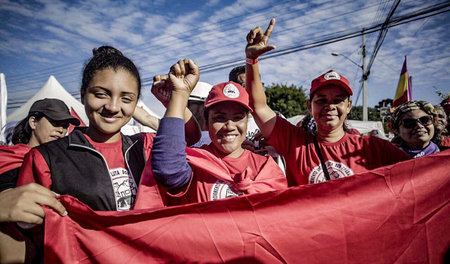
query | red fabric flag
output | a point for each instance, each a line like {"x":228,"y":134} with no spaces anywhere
{"x":445,"y":142}
{"x":267,"y":178}
{"x":11,"y":156}
{"x":394,"y":214}
{"x":404,"y":90}
{"x":74,"y":114}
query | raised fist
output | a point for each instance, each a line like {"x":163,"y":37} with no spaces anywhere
{"x":184,"y":76}
{"x":162,"y":88}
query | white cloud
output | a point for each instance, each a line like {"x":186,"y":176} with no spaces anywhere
{"x":212,"y":2}
{"x":155,"y":35}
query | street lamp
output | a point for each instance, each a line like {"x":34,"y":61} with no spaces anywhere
{"x":364,"y":79}
{"x":338,"y":54}
{"x":365,"y":73}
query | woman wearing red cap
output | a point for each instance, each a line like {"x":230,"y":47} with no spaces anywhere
{"x":221,"y":169}
{"x":330,"y":147}
{"x":446,"y":105}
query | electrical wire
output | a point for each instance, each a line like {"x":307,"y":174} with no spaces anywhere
{"x":420,"y":14}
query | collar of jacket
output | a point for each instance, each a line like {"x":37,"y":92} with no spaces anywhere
{"x":77,"y":138}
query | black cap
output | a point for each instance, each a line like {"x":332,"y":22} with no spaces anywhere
{"x":54,"y":109}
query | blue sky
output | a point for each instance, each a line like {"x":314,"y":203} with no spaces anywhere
{"x":49,"y":37}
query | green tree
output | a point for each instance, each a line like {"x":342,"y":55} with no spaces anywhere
{"x":384,"y":103}
{"x":373,"y":113}
{"x":357,"y":112}
{"x":288,"y":100}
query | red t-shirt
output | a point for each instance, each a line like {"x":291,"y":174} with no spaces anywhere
{"x":125,"y":188}
{"x":351,"y":154}
{"x":445,"y":142}
{"x":218,"y":178}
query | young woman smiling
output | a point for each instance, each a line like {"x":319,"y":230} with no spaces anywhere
{"x":414,"y":125}
{"x":99,"y":165}
{"x":221,"y":169}
{"x":325,"y":153}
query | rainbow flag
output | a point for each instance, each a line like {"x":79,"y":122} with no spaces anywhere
{"x":404,"y":88}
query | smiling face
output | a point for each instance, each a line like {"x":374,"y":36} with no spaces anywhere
{"x":442,"y":119}
{"x":227,"y":126}
{"x":330,"y":106}
{"x":419,"y":136}
{"x":110,"y":100}
{"x":45,"y":130}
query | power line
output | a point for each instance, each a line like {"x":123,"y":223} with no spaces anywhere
{"x":68,"y":70}
{"x":324,"y":40}
{"x":420,"y":14}
{"x":381,"y":37}
{"x":137,"y":49}
{"x":396,"y":22}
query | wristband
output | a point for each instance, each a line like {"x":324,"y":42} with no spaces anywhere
{"x":251,"y":61}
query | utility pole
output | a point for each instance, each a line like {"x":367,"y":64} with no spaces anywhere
{"x":364,"y":76}
{"x":365,"y":73}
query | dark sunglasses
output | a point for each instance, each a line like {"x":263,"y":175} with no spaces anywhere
{"x":411,"y":122}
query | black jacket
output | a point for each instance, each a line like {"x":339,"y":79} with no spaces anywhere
{"x":78,"y":169}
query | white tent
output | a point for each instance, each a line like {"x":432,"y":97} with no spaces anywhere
{"x":51,"y":89}
{"x":362,"y":126}
{"x":134,"y":127}
{"x":3,"y":101}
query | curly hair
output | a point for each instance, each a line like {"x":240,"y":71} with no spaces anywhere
{"x":107,"y":57}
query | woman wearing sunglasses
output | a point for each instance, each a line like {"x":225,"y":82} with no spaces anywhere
{"x":414,"y":124}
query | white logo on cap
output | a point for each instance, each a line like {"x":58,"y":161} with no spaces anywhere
{"x":332,"y":76}
{"x":231,"y":91}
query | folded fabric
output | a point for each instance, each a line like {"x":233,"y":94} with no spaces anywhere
{"x":394,"y":214}
{"x":12,"y":156}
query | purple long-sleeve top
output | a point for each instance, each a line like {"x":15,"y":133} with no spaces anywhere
{"x":169,"y":164}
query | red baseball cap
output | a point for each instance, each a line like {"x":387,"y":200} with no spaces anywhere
{"x":330,"y":77}
{"x":446,"y":103}
{"x":228,"y":92}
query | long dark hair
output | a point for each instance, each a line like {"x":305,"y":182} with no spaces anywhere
{"x":107,"y":57}
{"x":22,"y":132}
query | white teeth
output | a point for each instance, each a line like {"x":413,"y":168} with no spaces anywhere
{"x":109,"y":119}
{"x":229,"y":137}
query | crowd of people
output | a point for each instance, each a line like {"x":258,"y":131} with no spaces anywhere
{"x":246,"y":147}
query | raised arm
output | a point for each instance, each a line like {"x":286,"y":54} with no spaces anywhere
{"x":257,"y":45}
{"x":169,"y":164}
{"x":162,"y":89}
{"x":145,"y":118}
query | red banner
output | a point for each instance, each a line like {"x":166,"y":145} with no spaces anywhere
{"x":394,"y":214}
{"x":75,"y":114}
